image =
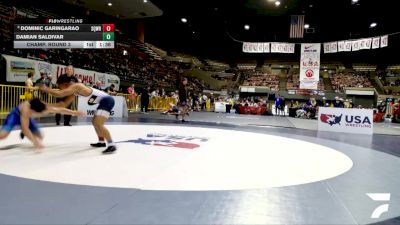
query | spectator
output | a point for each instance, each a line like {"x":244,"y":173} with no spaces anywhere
{"x":111,"y":90}
{"x":282,"y":106}
{"x":396,"y":112}
{"x":69,"y":74}
{"x":97,"y":85}
{"x":204,"y":99}
{"x":351,"y":103}
{"x":338,"y":103}
{"x":43,"y":80}
{"x":277,"y":104}
{"x":212,"y":101}
{"x":183,"y":99}
{"x":144,"y":100}
{"x":29,"y":87}
{"x":341,"y":81}
{"x":131,"y":89}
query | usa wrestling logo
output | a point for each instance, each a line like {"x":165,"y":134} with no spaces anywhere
{"x":331,"y":119}
{"x":309,"y":73}
{"x":166,"y":140}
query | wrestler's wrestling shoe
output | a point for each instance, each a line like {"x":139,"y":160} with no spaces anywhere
{"x":110,"y":149}
{"x":98,"y":145}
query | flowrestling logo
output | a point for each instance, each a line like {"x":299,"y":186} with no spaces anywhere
{"x":169,"y":140}
{"x":381,"y":197}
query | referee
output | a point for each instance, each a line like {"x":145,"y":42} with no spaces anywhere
{"x":69,"y":74}
{"x":183,"y":96}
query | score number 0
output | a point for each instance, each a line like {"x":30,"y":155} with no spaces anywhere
{"x":108,"y":32}
{"x":108,"y":27}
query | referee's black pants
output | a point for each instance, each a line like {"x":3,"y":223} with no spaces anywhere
{"x":67,"y":118}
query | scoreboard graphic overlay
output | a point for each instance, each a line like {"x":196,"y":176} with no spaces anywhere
{"x":63,"y":34}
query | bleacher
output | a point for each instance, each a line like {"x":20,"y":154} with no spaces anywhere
{"x":364,"y":67}
{"x":343,"y":80}
{"x":390,"y":79}
{"x":140,"y":65}
{"x":262,"y":79}
{"x":6,"y":23}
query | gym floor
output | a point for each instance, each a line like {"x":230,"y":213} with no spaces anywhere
{"x":214,"y":169}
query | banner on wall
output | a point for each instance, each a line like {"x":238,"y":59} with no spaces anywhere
{"x":356,"y":45}
{"x":309,"y":65}
{"x":249,"y":47}
{"x":345,"y":120}
{"x":347,"y":46}
{"x":291,"y":48}
{"x":361,"y":44}
{"x":277,"y":47}
{"x":87,"y":76}
{"x":331,"y":47}
{"x":327,"y":48}
{"x":274,"y":47}
{"x":17,"y":70}
{"x":368,"y":43}
{"x":266,"y":47}
{"x":341,"y":46}
{"x":384,"y":41}
{"x":306,"y":92}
